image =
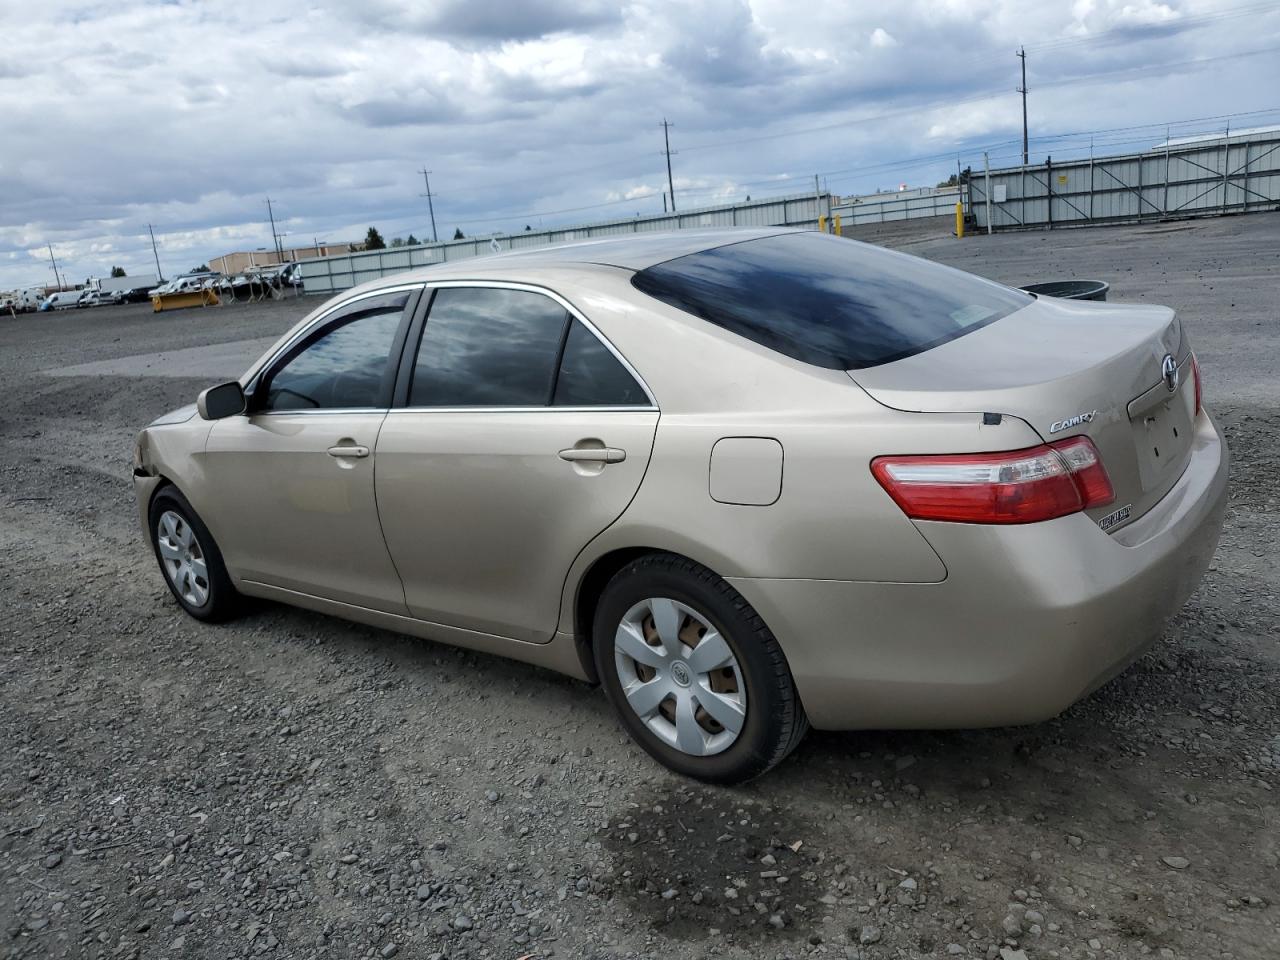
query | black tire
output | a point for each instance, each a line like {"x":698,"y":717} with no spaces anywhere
{"x":223,"y":601}
{"x":774,"y":722}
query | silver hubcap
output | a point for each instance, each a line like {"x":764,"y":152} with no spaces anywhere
{"x":183,"y":559}
{"x":680,"y":676}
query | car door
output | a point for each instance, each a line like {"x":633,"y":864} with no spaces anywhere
{"x":519,"y":434}
{"x":293,"y":476}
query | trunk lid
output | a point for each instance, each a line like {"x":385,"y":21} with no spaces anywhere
{"x":1068,"y":368}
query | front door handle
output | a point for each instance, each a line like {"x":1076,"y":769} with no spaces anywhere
{"x":593,"y":454}
{"x":348,"y":450}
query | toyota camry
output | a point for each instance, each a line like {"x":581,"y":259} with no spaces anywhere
{"x":746,"y":481}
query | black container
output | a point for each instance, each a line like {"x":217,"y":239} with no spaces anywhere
{"x":1071,"y":289}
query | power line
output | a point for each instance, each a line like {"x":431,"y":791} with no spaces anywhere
{"x":949,"y":102}
{"x":977,"y":98}
{"x":787,"y":183}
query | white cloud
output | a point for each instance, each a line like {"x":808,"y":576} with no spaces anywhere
{"x":187,"y":116}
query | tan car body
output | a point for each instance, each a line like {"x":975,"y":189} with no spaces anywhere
{"x":750,"y":463}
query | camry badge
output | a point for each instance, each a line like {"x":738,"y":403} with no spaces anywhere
{"x":1169,"y":370}
{"x":1059,"y":425}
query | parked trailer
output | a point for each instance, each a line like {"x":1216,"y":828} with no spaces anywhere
{"x":29,"y":300}
{"x":120,"y":284}
{"x":22,"y":301}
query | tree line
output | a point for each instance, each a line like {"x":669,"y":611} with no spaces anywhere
{"x":373,"y":240}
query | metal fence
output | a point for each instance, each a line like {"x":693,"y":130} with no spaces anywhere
{"x":1206,"y":177}
{"x":904,"y":205}
{"x":330,"y":274}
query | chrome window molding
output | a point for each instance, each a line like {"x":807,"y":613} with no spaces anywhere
{"x":312,"y":411}
{"x":572,"y":311}
{"x":425,"y":286}
{"x":545,"y":408}
{"x":255,"y":373}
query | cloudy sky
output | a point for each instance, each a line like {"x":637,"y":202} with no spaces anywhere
{"x":187,"y":115}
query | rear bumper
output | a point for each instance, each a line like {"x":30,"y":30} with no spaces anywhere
{"x":1030,"y":618}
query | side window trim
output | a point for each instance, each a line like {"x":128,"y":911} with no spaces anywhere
{"x":422,"y":315}
{"x":409,"y":348}
{"x":317,"y":328}
{"x":555,"y":371}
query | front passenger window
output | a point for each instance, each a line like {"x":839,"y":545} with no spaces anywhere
{"x":348,"y":366}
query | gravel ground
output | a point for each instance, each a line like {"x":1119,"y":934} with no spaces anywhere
{"x":295,"y":786}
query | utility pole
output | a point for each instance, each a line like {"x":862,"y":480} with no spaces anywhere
{"x":159,"y":272}
{"x":426,"y":178}
{"x":666,"y":140}
{"x":275,"y":240}
{"x":986,"y":173}
{"x":56,"y":279}
{"x":1022,"y":55}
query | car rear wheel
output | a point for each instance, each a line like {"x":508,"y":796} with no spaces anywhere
{"x":693,"y":672}
{"x":189,"y":559}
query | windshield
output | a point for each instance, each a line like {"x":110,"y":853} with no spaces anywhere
{"x":829,"y":301}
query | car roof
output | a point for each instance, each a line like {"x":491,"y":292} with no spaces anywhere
{"x":630,"y":252}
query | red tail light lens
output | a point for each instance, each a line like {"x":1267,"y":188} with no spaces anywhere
{"x":1015,"y":486}
{"x":1195,"y":377}
{"x":1087,"y":470}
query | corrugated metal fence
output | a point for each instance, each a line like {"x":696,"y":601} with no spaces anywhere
{"x":904,"y":205}
{"x":1206,"y":177}
{"x":329,"y":274}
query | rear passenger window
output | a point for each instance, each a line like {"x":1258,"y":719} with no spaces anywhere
{"x":488,"y":347}
{"x":591,"y":376}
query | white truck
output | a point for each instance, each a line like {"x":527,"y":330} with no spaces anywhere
{"x":143,"y":281}
{"x":63,"y":300}
{"x":21,"y":301}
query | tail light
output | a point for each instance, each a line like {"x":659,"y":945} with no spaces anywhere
{"x":1014,"y":486}
{"x":1195,"y":379}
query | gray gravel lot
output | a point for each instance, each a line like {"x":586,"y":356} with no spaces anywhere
{"x":295,"y":786}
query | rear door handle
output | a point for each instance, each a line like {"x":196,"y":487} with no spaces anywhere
{"x":352,"y":451}
{"x":593,"y":454}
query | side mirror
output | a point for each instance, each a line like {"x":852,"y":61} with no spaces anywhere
{"x":224,"y":400}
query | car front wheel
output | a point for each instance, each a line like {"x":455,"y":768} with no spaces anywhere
{"x":189,"y":558}
{"x":693,"y":672}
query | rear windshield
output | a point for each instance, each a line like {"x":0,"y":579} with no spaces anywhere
{"x":829,"y":301}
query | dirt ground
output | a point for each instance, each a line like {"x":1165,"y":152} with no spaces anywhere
{"x":295,"y":786}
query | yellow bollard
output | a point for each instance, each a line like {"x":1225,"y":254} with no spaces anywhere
{"x":959,"y":219}
{"x":822,"y":224}
{"x":838,"y":231}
